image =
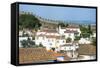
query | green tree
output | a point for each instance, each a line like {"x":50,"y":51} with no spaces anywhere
{"x":53,"y":49}
{"x":68,"y":40}
{"x":67,"y":25}
{"x":28,"y":21}
{"x":40,"y":45}
{"x":94,"y":41}
{"x":24,"y":43}
{"x":85,"y":31}
{"x":28,"y":43}
{"x":77,"y":38}
{"x":61,"y":24}
{"x":85,"y":35}
{"x":89,"y":30}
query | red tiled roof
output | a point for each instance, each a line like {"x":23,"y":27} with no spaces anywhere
{"x":49,"y":30}
{"x":70,"y":31}
{"x":32,"y":55}
{"x":53,"y":36}
{"x":73,"y":26}
{"x":41,"y":35}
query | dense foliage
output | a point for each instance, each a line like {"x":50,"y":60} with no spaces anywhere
{"x":28,"y":43}
{"x":94,"y":41}
{"x":68,"y":40}
{"x":85,"y":31}
{"x":77,"y":38}
{"x":62,"y":24}
{"x":28,"y":21}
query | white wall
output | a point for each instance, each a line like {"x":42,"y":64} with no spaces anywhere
{"x":5,"y":34}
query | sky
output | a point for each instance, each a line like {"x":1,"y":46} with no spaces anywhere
{"x":61,"y":13}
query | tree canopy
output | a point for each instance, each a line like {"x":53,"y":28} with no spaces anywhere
{"x":62,"y":24}
{"x":27,"y":43}
{"x":28,"y":21}
{"x":68,"y":40}
{"x":94,"y":41}
{"x":85,"y":31}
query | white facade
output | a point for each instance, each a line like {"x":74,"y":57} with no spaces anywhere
{"x":25,"y":32}
{"x":84,"y":41}
{"x":71,"y":50}
{"x":68,"y":47}
{"x":94,"y":34}
{"x":49,"y":42}
{"x":74,"y":29}
{"x":53,"y":38}
{"x":69,"y":32}
{"x":69,"y":35}
{"x":20,"y":33}
{"x":62,"y":30}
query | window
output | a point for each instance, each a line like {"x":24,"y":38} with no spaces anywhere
{"x":57,"y":41}
{"x":69,"y":34}
{"x":76,"y":34}
{"x":48,"y":40}
{"x":50,"y":43}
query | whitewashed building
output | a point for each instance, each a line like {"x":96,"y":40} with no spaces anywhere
{"x":71,"y":49}
{"x":25,"y":32}
{"x":54,"y":38}
{"x":69,"y":32}
{"x":84,"y":41}
{"x":74,"y":28}
{"x":49,"y":38}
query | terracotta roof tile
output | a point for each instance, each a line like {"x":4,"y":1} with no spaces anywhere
{"x":73,"y":26}
{"x":32,"y":55}
{"x":87,"y":49}
{"x":70,"y":31}
{"x":49,"y":30}
{"x":53,"y":36}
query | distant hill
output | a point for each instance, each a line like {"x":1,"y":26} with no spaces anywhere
{"x":48,"y":23}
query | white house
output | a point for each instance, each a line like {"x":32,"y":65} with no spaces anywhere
{"x":94,"y":34}
{"x":71,"y":49}
{"x":49,"y":38}
{"x":20,"y":33}
{"x":69,"y":32}
{"x":61,"y":30}
{"x":74,"y":28}
{"x":29,"y":33}
{"x":55,"y":37}
{"x":84,"y":41}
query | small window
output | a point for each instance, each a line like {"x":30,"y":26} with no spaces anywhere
{"x":57,"y":41}
{"x":48,"y":40}
{"x":69,"y":34}
{"x":50,"y":43}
